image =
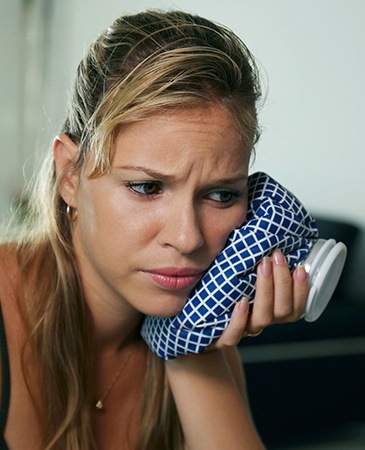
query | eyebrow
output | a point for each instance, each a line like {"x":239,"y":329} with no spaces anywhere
{"x":166,"y":177}
{"x":150,"y":172}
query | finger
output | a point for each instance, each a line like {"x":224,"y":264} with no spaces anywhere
{"x":300,"y":291}
{"x":246,"y":334}
{"x":283,"y":288}
{"x":236,"y":327}
{"x":263,"y":308}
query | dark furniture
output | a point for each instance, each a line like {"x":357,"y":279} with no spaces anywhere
{"x":305,"y":379}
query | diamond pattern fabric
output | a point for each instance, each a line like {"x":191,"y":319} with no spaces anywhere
{"x":275,"y":220}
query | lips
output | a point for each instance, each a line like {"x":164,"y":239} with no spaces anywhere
{"x":175,"y":279}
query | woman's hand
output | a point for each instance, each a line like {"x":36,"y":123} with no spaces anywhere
{"x":280,"y":297}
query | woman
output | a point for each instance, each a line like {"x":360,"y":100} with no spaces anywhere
{"x":146,"y":180}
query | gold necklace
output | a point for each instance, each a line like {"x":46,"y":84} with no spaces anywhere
{"x":99,"y":405}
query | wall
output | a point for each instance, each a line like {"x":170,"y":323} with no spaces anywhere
{"x":312,"y":53}
{"x":313,"y":66}
{"x":11,"y":158}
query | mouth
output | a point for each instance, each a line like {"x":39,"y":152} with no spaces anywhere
{"x":175,"y":279}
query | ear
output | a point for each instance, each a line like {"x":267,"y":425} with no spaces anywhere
{"x":65,"y":154}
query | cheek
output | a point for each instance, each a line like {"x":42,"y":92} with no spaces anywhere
{"x":219,"y":226}
{"x":95,"y":215}
{"x":108,"y":215}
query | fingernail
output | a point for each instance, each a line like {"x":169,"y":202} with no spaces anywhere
{"x":279,"y":258}
{"x":301,"y":274}
{"x":243,"y":305}
{"x":266,"y":266}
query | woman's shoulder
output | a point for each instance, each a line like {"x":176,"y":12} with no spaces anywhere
{"x":9,"y":280}
{"x":9,"y":261}
{"x":9,"y":268}
{"x":8,"y":271}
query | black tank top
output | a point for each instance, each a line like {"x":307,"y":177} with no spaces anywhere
{"x":5,"y":387}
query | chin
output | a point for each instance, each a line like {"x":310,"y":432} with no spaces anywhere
{"x":167,"y":315}
{"x":166,"y":307}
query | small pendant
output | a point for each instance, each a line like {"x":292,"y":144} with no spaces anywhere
{"x":99,"y":405}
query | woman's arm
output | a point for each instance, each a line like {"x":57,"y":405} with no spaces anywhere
{"x":213,"y":413}
{"x":210,"y":395}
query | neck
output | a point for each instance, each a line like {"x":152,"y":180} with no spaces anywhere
{"x":113,"y":334}
{"x":113,"y":326}
{"x":114,"y":320}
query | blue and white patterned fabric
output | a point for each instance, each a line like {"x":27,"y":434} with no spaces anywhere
{"x":275,"y":219}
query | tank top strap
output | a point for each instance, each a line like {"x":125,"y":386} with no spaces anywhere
{"x":5,"y":386}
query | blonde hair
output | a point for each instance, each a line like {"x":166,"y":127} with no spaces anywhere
{"x":142,"y":64}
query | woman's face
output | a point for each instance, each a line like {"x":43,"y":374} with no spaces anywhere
{"x":146,"y":231}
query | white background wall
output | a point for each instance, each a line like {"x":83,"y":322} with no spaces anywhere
{"x":312,"y":54}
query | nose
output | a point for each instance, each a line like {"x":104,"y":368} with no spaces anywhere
{"x":181,"y":229}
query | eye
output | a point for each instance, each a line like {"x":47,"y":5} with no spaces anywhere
{"x":225,"y":196}
{"x":145,"y":188}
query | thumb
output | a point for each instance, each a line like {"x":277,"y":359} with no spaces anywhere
{"x":239,"y":319}
{"x":236,"y":327}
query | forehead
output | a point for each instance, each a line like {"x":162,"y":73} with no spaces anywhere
{"x":203,"y":142}
{"x":201,"y":126}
